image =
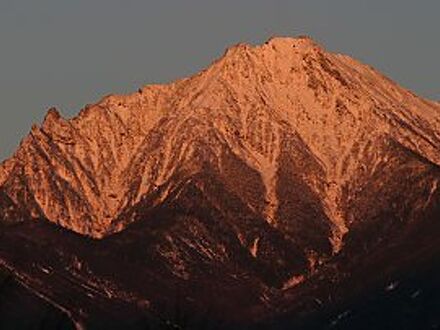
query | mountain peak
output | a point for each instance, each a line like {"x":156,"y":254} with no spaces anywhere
{"x":304,"y":42}
{"x":247,"y":104}
{"x":278,"y":44}
{"x":248,"y":175}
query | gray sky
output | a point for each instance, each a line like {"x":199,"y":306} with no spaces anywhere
{"x":68,"y":53}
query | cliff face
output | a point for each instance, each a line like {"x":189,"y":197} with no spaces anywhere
{"x":270,"y":161}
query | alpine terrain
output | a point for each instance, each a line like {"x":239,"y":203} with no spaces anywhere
{"x":282,"y":187}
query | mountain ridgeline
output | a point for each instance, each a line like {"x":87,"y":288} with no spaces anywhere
{"x":258,"y":192}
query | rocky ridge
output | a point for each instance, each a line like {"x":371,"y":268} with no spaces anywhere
{"x":257,"y":104}
{"x":278,"y":180}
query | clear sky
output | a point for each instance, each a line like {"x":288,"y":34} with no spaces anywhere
{"x":67,"y":53}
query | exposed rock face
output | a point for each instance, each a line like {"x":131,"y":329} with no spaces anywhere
{"x":286,"y":110}
{"x":269,"y":161}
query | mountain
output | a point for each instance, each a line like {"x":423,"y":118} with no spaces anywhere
{"x":230,"y":198}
